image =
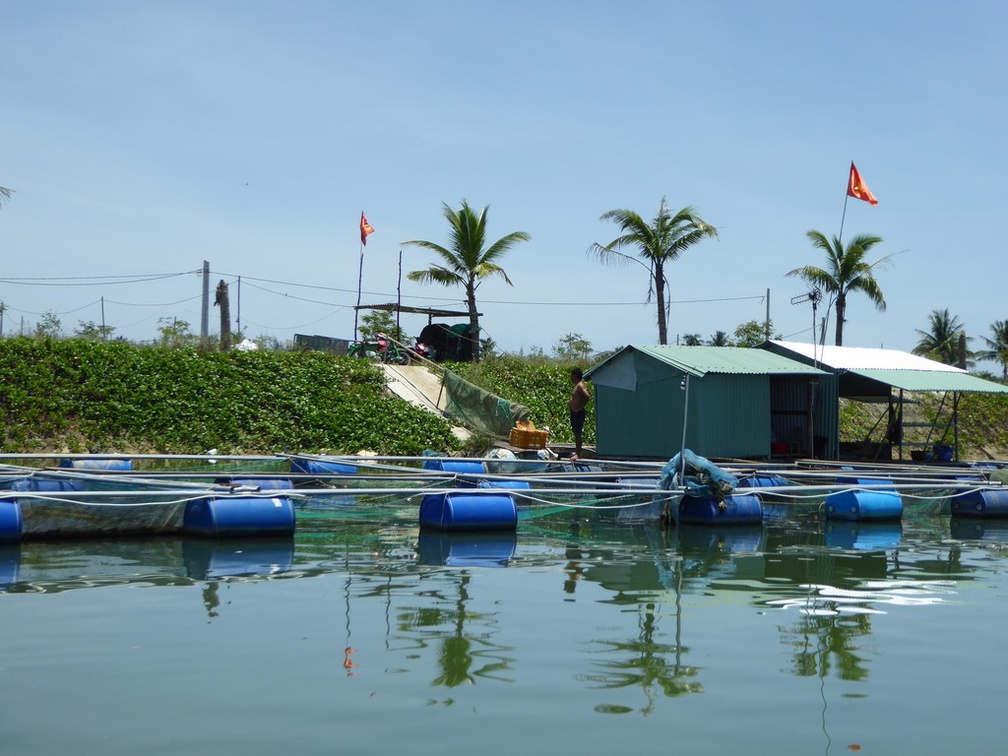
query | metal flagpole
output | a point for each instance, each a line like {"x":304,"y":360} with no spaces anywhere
{"x":360,"y":279}
{"x":399,"y":298}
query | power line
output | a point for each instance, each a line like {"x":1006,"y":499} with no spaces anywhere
{"x":92,"y":280}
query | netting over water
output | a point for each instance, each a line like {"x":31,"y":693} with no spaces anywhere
{"x":480,"y":410}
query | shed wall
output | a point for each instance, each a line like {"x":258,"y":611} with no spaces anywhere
{"x":729,"y":417}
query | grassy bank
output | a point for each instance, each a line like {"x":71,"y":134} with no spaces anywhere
{"x":83,"y":396}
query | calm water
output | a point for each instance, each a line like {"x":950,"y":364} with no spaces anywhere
{"x":575,"y":636}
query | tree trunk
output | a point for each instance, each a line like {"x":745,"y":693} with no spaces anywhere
{"x":659,"y":278}
{"x":841,"y":310}
{"x":473,"y":323}
{"x":224,"y":301}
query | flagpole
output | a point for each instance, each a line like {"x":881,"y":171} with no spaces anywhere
{"x":843,"y":217}
{"x":399,"y":298}
{"x":360,"y":279}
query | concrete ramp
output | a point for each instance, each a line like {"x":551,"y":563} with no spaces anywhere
{"x":418,"y":385}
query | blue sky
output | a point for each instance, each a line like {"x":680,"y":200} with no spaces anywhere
{"x":143,"y":138}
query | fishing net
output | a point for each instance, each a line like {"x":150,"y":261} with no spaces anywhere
{"x":480,"y":410}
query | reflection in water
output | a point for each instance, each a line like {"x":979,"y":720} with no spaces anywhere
{"x":827,"y":580}
{"x":650,"y":577}
{"x":466,"y":650}
{"x":475,"y":549}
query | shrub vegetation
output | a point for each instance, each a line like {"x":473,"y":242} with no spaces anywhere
{"x":83,"y":396}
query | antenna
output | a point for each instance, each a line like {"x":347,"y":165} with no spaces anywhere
{"x":814,"y":296}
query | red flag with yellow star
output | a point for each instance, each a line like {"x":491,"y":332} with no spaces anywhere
{"x":857,"y":188}
{"x":365,"y":229}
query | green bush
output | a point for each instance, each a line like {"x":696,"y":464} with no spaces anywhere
{"x":79,"y":395}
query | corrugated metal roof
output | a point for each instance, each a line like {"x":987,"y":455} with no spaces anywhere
{"x":898,"y":369}
{"x":933,"y":380}
{"x":862,"y":358}
{"x":698,"y":360}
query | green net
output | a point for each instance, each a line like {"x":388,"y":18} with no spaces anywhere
{"x":480,"y":410}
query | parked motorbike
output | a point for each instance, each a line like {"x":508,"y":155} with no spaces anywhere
{"x":382,"y":349}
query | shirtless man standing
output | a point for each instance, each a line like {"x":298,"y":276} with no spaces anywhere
{"x":578,"y":401}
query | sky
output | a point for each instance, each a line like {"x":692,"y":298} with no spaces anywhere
{"x":142,"y":139}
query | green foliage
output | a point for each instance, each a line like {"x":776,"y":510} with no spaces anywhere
{"x":752,"y":333}
{"x":654,"y":245}
{"x":572,"y":347}
{"x":49,"y":326}
{"x":846,"y":272}
{"x":90,"y":330}
{"x":380,"y":321}
{"x":944,"y":338}
{"x":175,"y":333}
{"x":103,"y":397}
{"x":467,"y":260}
{"x":543,"y":387}
{"x":720,"y":339}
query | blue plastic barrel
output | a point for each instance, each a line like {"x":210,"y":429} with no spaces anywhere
{"x":473,"y":509}
{"x":459,"y":466}
{"x":10,"y":521}
{"x":230,"y":516}
{"x":864,"y":505}
{"x":740,"y":508}
{"x":321,"y":467}
{"x":466,"y":549}
{"x":763,"y":481}
{"x":988,"y":502}
{"x":96,"y":463}
{"x":864,"y":536}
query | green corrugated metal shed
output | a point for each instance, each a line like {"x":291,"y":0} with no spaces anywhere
{"x":741,"y":401}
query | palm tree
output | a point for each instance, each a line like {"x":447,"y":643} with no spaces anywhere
{"x":719,"y":339}
{"x":846,"y":271}
{"x":942,"y":341}
{"x":997,"y":347}
{"x":467,"y":261}
{"x":655,"y":244}
{"x":5,"y":194}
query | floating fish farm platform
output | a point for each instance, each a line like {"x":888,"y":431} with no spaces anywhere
{"x":233,"y":497}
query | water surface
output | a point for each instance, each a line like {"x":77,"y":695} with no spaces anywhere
{"x":577,"y":635}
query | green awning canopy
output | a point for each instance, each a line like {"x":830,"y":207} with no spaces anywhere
{"x":933,"y":380}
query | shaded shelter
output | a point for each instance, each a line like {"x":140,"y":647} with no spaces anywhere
{"x":891,"y":377}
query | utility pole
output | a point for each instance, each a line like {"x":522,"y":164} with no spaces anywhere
{"x":767,"y":328}
{"x":205,"y":316}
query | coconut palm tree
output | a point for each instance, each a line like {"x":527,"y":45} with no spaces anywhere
{"x":997,"y":347}
{"x":846,"y":271}
{"x":5,"y":194}
{"x":467,"y":261}
{"x":942,"y":341}
{"x":656,"y":243}
{"x":719,"y":339}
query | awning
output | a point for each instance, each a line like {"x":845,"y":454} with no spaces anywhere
{"x":933,"y":380}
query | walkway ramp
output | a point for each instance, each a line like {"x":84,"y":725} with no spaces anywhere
{"x":422,"y":387}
